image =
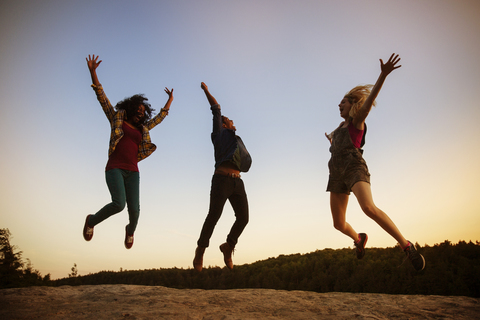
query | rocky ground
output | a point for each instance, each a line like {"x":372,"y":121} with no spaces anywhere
{"x":146,"y":302}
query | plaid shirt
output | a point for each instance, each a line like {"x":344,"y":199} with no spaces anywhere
{"x":146,"y":147}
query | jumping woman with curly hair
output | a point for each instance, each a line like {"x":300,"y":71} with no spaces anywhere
{"x":349,"y":172}
{"x":130,"y":122}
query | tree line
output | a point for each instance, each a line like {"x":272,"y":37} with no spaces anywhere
{"x":451,"y":269}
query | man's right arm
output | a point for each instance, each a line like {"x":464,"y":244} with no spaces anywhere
{"x":210,"y":98}
{"x":216,"y":111}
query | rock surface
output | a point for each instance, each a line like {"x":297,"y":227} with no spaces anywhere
{"x":146,"y":302}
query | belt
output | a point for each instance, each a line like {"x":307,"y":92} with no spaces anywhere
{"x":231,"y":175}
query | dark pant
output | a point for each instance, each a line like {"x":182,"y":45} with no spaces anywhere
{"x":124,"y":187}
{"x":224,"y":188}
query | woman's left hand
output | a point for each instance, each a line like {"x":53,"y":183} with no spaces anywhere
{"x":169,"y":92}
{"x":329,"y":137}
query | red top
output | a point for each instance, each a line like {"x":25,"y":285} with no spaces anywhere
{"x":125,"y":154}
{"x":356,"y":135}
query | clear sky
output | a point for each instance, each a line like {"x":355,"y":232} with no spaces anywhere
{"x":279,"y":70}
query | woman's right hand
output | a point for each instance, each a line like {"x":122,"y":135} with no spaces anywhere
{"x":92,"y":62}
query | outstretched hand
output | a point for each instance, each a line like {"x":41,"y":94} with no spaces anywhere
{"x":204,"y":86}
{"x":390,"y":65}
{"x":170,"y":99}
{"x":92,"y":62}
{"x":169,"y":92}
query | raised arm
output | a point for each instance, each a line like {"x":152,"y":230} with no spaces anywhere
{"x":215,"y":107}
{"x":107,"y":107}
{"x":210,"y":98}
{"x":163,"y":113}
{"x":170,"y":99}
{"x":367,"y":106}
{"x":92,"y":66}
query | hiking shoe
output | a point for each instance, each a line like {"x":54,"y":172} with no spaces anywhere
{"x":198,"y":260}
{"x":417,"y":260}
{"x":227,"y":251}
{"x":360,"y":245}
{"x":87,"y":230}
{"x":128,"y":238}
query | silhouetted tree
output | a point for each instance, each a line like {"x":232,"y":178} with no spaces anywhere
{"x":13,"y":271}
{"x":10,"y":261}
{"x":74,"y":271}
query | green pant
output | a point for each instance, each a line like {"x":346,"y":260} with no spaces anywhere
{"x":124,"y":187}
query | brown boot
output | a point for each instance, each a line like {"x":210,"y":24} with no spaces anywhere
{"x":198,"y":260}
{"x":227,"y":251}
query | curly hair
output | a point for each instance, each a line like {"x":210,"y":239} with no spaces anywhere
{"x":357,"y":97}
{"x":130,"y":105}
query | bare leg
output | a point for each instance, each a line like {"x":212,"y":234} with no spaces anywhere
{"x":363,"y":192}
{"x":338,"y":206}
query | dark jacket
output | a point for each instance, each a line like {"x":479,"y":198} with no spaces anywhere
{"x":228,"y":146}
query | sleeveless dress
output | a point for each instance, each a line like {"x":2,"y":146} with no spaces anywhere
{"x":346,"y":164}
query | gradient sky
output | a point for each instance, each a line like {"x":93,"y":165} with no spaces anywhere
{"x":279,"y":70}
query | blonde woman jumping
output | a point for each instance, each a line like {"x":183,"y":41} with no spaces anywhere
{"x":349,"y":171}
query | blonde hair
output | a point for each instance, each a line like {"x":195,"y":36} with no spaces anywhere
{"x":357,"y":97}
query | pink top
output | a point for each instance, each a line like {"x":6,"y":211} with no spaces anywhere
{"x":125,"y":154}
{"x":356,"y":135}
